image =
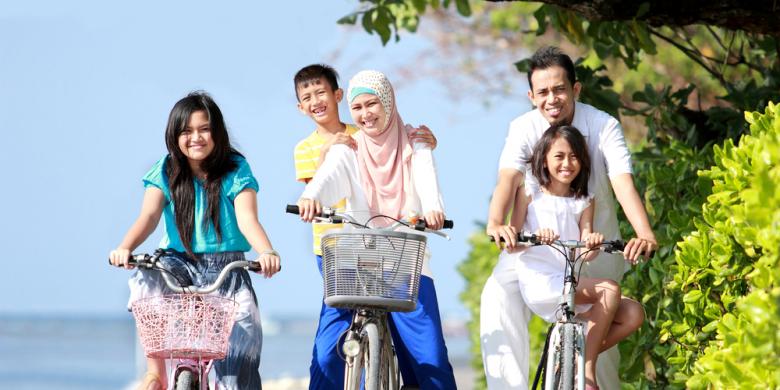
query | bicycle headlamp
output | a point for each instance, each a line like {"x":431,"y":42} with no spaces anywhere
{"x":351,"y":348}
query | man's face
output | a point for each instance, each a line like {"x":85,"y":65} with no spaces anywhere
{"x":553,"y":95}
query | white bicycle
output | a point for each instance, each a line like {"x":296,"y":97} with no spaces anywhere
{"x":562,"y":365}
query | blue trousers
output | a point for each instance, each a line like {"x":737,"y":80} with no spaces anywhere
{"x":417,"y":337}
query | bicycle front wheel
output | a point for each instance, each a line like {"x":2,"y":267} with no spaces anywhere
{"x":373,"y":360}
{"x":186,"y":380}
{"x":560,"y":370}
{"x":567,"y":357}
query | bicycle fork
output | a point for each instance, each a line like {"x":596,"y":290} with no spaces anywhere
{"x":357,"y":348}
{"x":368,"y":353}
{"x":197,"y":374}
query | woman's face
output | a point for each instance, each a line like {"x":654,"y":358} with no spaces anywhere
{"x":368,"y":114}
{"x":195,"y":140}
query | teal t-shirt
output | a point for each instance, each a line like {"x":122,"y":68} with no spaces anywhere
{"x":204,"y":238}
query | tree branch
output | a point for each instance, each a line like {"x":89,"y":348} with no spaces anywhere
{"x":755,"y":16}
{"x":692,"y":56}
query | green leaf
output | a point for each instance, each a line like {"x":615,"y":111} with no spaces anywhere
{"x":692,"y":296}
{"x":349,"y":19}
{"x":367,"y":20}
{"x":463,"y":7}
{"x":419,"y":5}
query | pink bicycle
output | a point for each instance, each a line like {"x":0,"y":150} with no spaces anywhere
{"x":190,"y":328}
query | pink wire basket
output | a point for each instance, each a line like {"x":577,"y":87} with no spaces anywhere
{"x":184,"y":326}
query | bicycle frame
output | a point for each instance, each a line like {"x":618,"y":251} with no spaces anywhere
{"x":567,"y":327}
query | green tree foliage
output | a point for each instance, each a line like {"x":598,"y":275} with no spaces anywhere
{"x":727,"y":269}
{"x":710,"y":293}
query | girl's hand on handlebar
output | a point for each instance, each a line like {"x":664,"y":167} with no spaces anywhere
{"x":592,"y":242}
{"x":271,"y":263}
{"x":434,"y":220}
{"x":120,"y":257}
{"x":547,"y":235}
{"x":639,"y":247}
{"x":309,"y":208}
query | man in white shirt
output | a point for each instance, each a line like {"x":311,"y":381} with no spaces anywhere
{"x":553,"y":91}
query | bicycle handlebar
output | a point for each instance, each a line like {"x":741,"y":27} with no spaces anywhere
{"x":145,"y":260}
{"x":615,"y":246}
{"x":334,"y":217}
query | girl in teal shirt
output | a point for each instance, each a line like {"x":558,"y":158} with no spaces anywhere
{"x":206,"y":193}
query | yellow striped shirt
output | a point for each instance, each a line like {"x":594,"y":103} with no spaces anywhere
{"x":307,"y":154}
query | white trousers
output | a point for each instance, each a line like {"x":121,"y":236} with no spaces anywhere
{"x":504,"y":321}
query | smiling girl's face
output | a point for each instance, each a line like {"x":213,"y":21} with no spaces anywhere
{"x":195,"y":140}
{"x":563,"y":166}
{"x":368,"y":114}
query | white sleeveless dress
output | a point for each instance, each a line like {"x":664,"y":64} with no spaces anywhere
{"x":540,"y":269}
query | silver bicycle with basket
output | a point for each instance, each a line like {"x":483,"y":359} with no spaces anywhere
{"x":563,"y":357}
{"x":371,"y":271}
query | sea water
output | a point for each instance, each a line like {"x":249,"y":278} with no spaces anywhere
{"x":85,"y":353}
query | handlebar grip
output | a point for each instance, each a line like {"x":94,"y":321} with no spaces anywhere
{"x":614,"y":246}
{"x":293,"y":209}
{"x":255,"y":266}
{"x":448,"y":224}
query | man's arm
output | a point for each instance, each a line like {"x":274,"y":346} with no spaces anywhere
{"x":509,"y":181}
{"x":628,"y":197}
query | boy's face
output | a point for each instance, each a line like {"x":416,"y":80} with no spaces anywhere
{"x":553,"y":95}
{"x":319,"y":102}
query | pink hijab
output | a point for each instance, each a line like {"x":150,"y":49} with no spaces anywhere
{"x":384,"y":159}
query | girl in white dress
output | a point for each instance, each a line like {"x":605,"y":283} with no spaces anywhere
{"x":561,"y":208}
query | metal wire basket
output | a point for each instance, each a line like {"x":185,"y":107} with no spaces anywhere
{"x":184,"y":325}
{"x":369,"y":268}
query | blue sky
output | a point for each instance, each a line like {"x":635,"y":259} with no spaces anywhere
{"x":85,"y":90}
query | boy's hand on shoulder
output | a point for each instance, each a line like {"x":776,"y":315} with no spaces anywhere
{"x":423,"y":135}
{"x":338,"y":138}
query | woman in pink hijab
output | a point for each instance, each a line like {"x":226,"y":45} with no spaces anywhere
{"x":388,"y":175}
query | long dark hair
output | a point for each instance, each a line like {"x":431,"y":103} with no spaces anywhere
{"x":578,"y":145}
{"x":180,"y":175}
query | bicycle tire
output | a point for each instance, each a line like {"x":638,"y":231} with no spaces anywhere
{"x":579,"y":338}
{"x":186,"y":380}
{"x":373,"y":361}
{"x":567,"y":357}
{"x":393,"y":375}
